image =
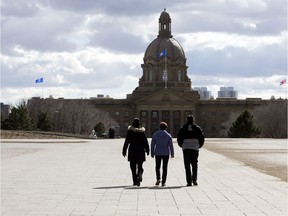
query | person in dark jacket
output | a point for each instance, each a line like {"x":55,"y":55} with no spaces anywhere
{"x":190,"y":138}
{"x":138,"y":144}
{"x":161,"y":147}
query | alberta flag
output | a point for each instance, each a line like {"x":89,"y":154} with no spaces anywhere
{"x":163,"y":53}
{"x":40,"y":80}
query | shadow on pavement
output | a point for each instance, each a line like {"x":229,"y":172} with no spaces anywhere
{"x":130,"y":187}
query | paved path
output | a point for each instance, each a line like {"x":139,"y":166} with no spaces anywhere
{"x":62,"y":178}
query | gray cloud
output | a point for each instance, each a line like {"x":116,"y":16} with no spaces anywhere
{"x":239,"y":62}
{"x":97,"y":46}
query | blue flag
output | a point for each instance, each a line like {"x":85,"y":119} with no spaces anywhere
{"x":40,"y":80}
{"x":163,"y":53}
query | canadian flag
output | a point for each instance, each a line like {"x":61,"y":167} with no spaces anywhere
{"x":283,"y":82}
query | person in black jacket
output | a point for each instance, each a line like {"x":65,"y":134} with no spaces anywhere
{"x":137,"y":142}
{"x":190,"y":138}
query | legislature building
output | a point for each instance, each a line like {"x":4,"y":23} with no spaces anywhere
{"x":165,"y":93}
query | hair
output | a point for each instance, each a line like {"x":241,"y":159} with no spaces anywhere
{"x":163,"y":126}
{"x":190,"y":119}
{"x":136,"y":123}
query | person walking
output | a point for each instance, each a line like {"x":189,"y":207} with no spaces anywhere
{"x":138,"y":144}
{"x":161,"y":147}
{"x":190,"y":138}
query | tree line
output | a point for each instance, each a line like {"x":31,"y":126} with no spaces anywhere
{"x":269,"y":121}
{"x":72,"y":116}
{"x":81,"y":117}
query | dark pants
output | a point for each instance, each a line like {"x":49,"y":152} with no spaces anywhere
{"x":191,"y":158}
{"x":136,"y":169}
{"x":158,"y":160}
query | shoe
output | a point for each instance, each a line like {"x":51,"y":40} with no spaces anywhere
{"x":195,"y":182}
{"x":163,"y":185}
{"x":157,"y":182}
{"x":140,"y":176}
{"x":189,"y":185}
{"x":137,"y":183}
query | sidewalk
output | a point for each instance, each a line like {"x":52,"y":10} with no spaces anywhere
{"x":91,"y":177}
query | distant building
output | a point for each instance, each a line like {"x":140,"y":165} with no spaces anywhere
{"x":204,"y":93}
{"x":5,"y":111}
{"x":227,"y":92}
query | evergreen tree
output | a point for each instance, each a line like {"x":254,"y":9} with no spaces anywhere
{"x":99,"y":129}
{"x":19,"y":119}
{"x":44,"y":123}
{"x":244,"y":127}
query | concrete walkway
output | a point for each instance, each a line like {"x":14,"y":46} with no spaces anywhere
{"x":90,"y":177}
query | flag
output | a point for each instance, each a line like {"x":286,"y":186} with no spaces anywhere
{"x":40,"y":80}
{"x":163,"y":53}
{"x":283,"y":82}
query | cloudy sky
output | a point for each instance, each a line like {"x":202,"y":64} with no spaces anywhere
{"x":87,"y":47}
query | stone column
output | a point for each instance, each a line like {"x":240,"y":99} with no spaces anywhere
{"x":170,"y":123}
{"x":148,"y":132}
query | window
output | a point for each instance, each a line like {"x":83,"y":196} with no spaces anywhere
{"x":179,"y":75}
{"x":150,"y":75}
{"x":143,"y":113}
{"x":154,"y":114}
{"x":126,"y":114}
{"x":166,"y":116}
{"x":213,"y":115}
{"x":154,"y":121}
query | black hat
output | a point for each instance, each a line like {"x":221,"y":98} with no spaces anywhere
{"x":136,"y":123}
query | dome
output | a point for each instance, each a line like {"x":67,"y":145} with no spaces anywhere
{"x":173,"y":49}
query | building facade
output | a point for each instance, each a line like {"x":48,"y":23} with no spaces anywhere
{"x":165,"y":93}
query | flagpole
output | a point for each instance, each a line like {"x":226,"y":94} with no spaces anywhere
{"x":283,"y":82}
{"x":166,"y":74}
{"x":285,"y":91}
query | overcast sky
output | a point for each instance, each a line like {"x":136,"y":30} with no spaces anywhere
{"x":87,"y":47}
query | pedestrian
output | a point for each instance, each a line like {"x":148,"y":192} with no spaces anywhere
{"x":190,"y":138}
{"x":161,"y":147}
{"x":138,"y":144}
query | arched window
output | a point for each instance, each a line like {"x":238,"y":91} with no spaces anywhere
{"x":179,"y":75}
{"x":150,"y":75}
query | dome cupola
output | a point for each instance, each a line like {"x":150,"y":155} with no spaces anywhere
{"x":164,"y":61}
{"x":165,"y":25}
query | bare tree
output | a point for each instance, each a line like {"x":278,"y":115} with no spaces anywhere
{"x":71,"y":116}
{"x":272,"y":119}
